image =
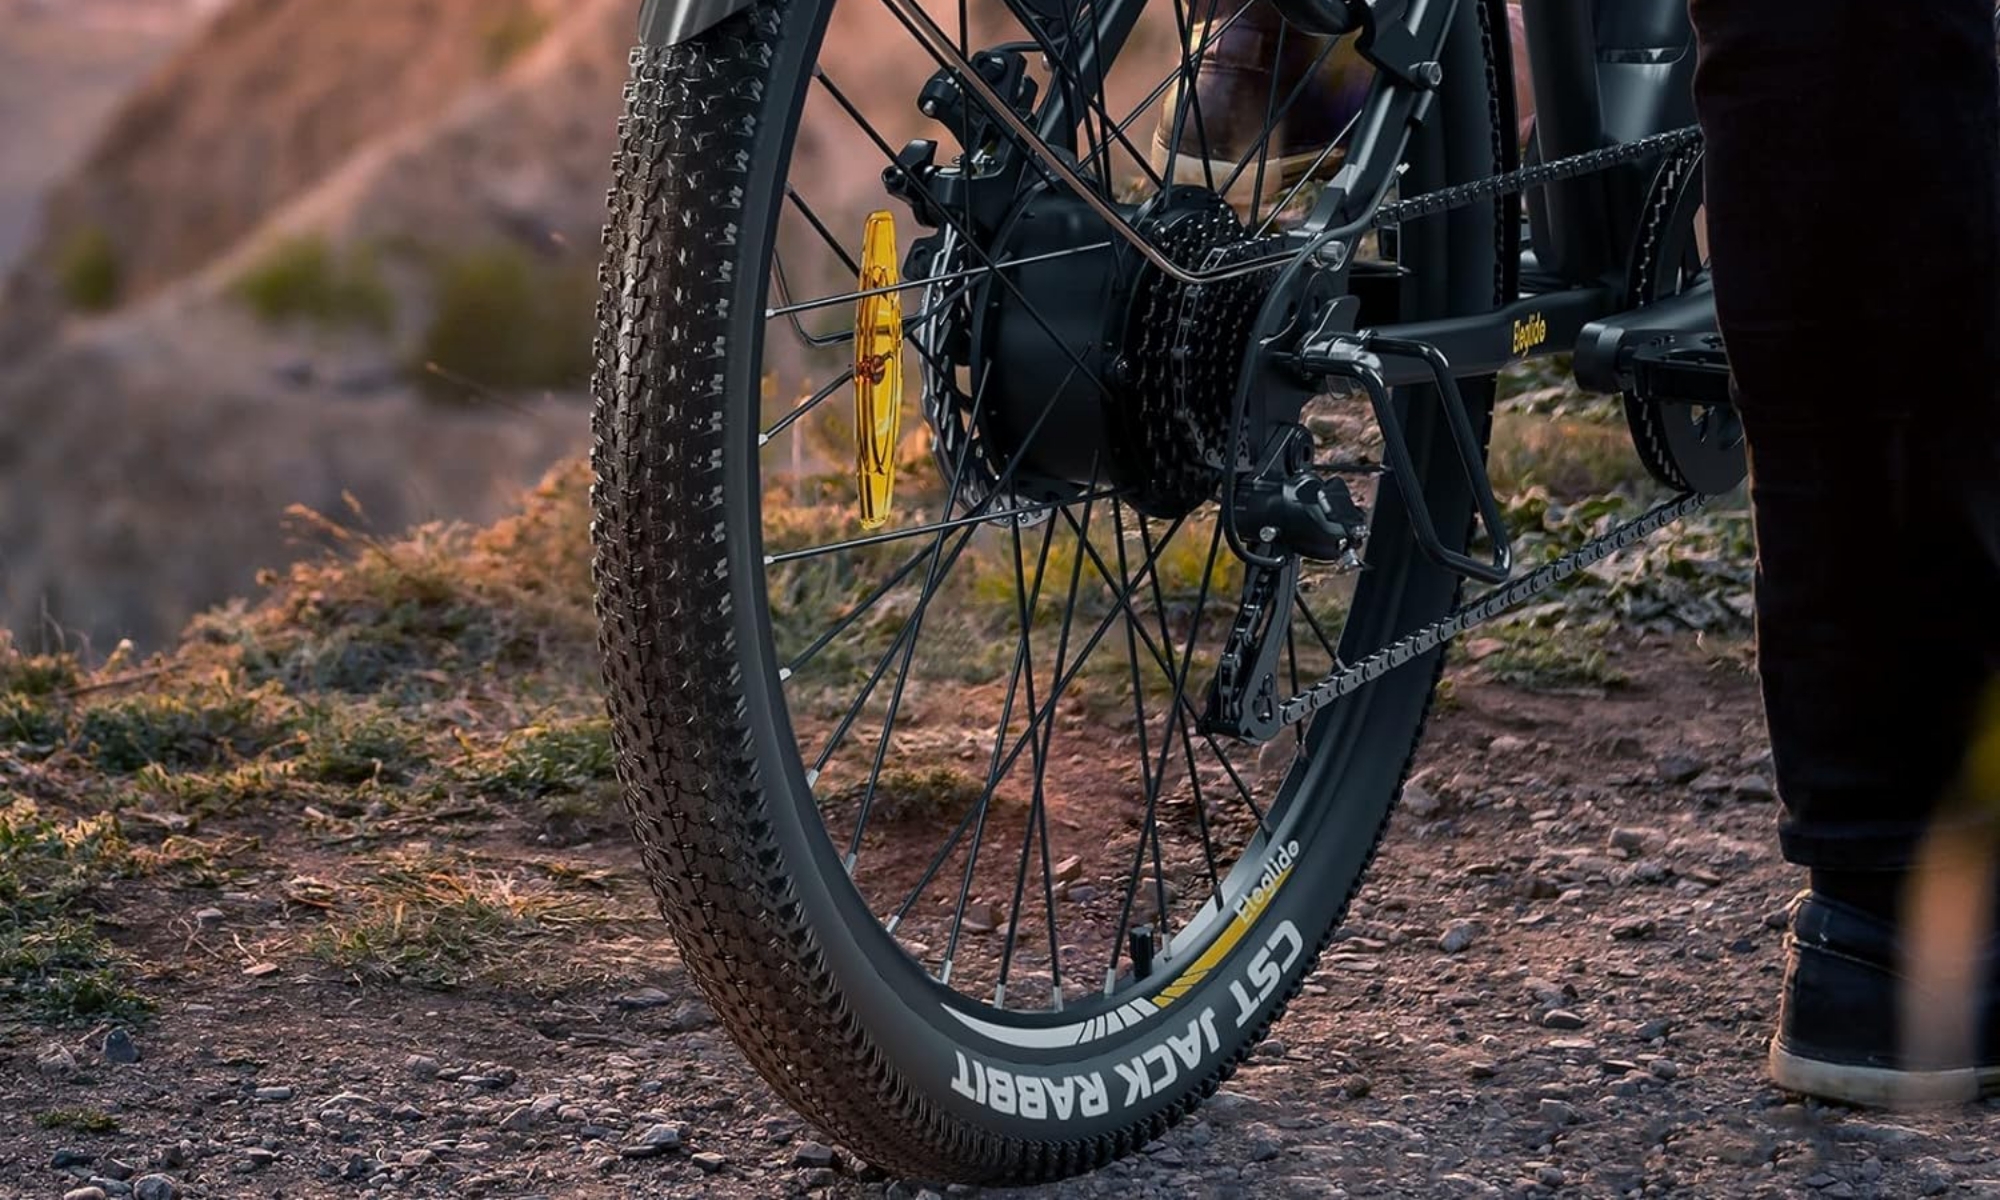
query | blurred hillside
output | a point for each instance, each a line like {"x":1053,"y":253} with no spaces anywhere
{"x":316,"y":251}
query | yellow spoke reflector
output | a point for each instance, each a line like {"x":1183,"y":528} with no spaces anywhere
{"x":878,"y":371}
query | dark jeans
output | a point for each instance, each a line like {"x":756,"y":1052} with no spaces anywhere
{"x":1854,"y":214}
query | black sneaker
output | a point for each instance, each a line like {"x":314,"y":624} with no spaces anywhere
{"x":1852,"y":1015}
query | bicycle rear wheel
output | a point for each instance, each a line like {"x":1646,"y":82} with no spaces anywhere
{"x":930,"y":809}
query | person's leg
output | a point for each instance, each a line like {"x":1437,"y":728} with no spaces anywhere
{"x":1854,"y":212}
{"x":1853,"y":157}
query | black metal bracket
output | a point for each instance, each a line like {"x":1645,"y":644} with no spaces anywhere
{"x":1360,"y":357}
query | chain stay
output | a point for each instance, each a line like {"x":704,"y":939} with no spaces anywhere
{"x":1496,"y":603}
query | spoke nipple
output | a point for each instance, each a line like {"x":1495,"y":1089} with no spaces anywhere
{"x":763,"y":440}
{"x":1140,"y":943}
{"x":812,"y":777}
{"x":944,"y":972}
{"x":894,"y":921}
{"x":784,"y":673}
{"x":848,"y":863}
{"x":999,"y":995}
{"x":770,"y":561}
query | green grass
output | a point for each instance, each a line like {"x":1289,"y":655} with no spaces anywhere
{"x":78,"y":1120}
{"x":30,"y":725}
{"x":200,"y":727}
{"x":442,"y":923}
{"x":917,"y":795}
{"x":566,"y":758}
{"x":505,"y":320}
{"x":55,"y":967}
{"x":348,"y":747}
{"x":1533,"y":658}
{"x":307,"y":281}
{"x":89,"y":271}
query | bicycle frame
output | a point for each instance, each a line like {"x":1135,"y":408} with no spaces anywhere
{"x":1605,"y":72}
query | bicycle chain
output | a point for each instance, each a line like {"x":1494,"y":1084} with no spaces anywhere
{"x":1644,"y":418}
{"x":1494,"y":604}
{"x":1495,"y":187}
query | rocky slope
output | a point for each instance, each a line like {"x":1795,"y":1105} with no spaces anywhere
{"x":273,"y":228}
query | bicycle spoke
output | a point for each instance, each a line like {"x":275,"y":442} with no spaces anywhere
{"x":993,"y":778}
{"x":806,"y":406}
{"x":1176,"y":720}
{"x":1037,"y":821}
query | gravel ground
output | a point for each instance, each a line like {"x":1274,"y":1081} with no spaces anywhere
{"x":1559,"y":981}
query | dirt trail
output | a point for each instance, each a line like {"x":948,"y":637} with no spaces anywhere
{"x":1610,"y":895}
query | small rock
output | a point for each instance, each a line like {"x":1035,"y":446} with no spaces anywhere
{"x":155,"y":1187}
{"x":521,"y":1120}
{"x":1664,"y":1068}
{"x":1082,"y":893}
{"x":1754,"y":787}
{"x":1653,"y":1029}
{"x":360,"y":1167}
{"x":55,"y":1060}
{"x":1069,"y":870}
{"x":406,"y":1112}
{"x":120,"y":1171}
{"x":423,"y":1066}
{"x":709,"y":1160}
{"x":812,"y":1154}
{"x":118,"y":1047}
{"x":1818,"y":1180}
{"x":1561,"y":1018}
{"x":1357,"y":1087}
{"x":1458,"y":938}
{"x":272,"y":1095}
{"x":259,"y":1157}
{"x":1557,"y":1112}
{"x":1633,"y":840}
{"x":173,"y":1154}
{"x":1482,"y":1070}
{"x":1680,"y":767}
{"x":1777,"y":918}
{"x":1419,"y":802}
{"x":66,"y":1157}
{"x":84,"y":1193}
{"x":1633,"y":929}
{"x":209,"y":918}
{"x":1550,"y":1176}
{"x":418,"y":1158}
{"x":644,"y":998}
{"x":1713,"y":781}
{"x":658,"y":1140}
{"x":981,"y":917}
{"x":1507,"y":743}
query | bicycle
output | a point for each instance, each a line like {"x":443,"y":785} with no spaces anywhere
{"x":1200,"y":487}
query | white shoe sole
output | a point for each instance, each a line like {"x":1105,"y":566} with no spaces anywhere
{"x":1879,"y":1087}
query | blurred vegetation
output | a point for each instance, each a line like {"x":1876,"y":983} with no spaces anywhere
{"x":90,"y":271}
{"x":306,"y":280}
{"x":509,"y":33}
{"x":504,"y":319}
